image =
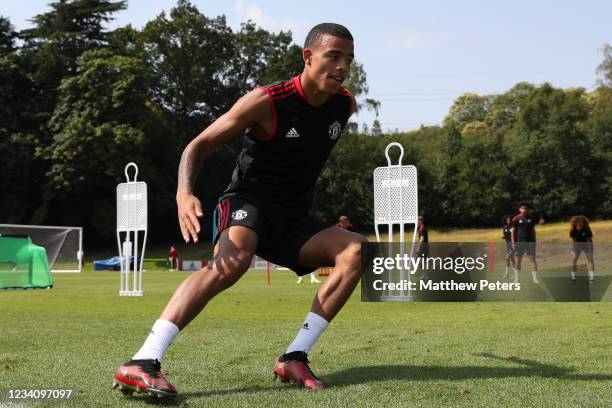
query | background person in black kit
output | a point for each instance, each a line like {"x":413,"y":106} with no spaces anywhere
{"x":582,"y":241}
{"x":507,"y":236}
{"x":524,"y":240}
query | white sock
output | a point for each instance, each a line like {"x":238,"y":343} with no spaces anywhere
{"x":506,"y":271}
{"x":516,"y":273}
{"x":534,"y":275}
{"x":573,"y":273}
{"x":591,"y":275}
{"x":309,"y":333}
{"x":156,"y":345}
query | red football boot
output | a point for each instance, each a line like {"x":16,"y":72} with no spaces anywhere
{"x":293,"y":367}
{"x":143,"y":376}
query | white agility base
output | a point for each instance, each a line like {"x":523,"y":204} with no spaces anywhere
{"x":64,"y":245}
{"x":396,"y":202}
{"x":131,"y":220}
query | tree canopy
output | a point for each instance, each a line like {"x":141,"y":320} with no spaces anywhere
{"x":78,"y":101}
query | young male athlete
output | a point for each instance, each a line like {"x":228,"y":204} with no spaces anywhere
{"x":524,"y":241}
{"x":291,"y":128}
{"x":582,"y":241}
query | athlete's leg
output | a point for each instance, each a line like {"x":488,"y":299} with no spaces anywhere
{"x":534,"y":263}
{"x":233,"y":254}
{"x":531,"y":253}
{"x":331,"y":246}
{"x":512,"y":261}
{"x":591,"y":265}
{"x":232,"y":258}
{"x":519,"y":261}
{"x":575,"y":256}
{"x":341,"y":248}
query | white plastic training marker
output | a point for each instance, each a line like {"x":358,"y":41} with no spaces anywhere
{"x":131,"y":220}
{"x":396,"y":201}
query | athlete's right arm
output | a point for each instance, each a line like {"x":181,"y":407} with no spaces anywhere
{"x":253,"y":109}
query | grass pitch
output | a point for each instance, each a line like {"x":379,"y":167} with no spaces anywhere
{"x":374,"y":354}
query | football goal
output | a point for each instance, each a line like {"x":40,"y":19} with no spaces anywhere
{"x":64,"y":245}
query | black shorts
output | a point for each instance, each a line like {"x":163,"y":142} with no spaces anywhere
{"x":586,"y":247}
{"x":525,"y":247}
{"x":509,"y":249}
{"x":281,"y":232}
{"x":423,"y":249}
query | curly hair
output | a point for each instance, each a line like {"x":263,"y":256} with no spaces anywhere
{"x":577,"y":220}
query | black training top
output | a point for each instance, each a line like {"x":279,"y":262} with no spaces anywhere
{"x":283,"y":167}
{"x":584,"y":235}
{"x":508,"y":233}
{"x":525,"y":228}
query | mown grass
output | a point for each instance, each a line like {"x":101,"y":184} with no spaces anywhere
{"x":374,"y":354}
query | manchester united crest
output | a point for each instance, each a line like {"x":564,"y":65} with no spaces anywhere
{"x":334,"y":130}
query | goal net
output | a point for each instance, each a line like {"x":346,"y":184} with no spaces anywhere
{"x":64,"y":245}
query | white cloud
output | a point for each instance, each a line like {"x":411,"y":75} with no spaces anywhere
{"x":250,"y":11}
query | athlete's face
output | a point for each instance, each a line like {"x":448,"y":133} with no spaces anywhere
{"x":523,"y":209}
{"x":328,"y":62}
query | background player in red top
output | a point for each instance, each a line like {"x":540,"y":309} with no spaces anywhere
{"x":291,"y":128}
{"x":344,"y":222}
{"x":172,"y":254}
{"x":582,"y":241}
{"x":524,"y":240}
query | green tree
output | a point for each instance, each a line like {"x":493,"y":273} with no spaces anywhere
{"x":7,"y":36}
{"x":190,"y":57}
{"x":467,"y":108}
{"x":290,"y":63}
{"x":605,"y":68}
{"x":504,"y":108}
{"x":263,"y":57}
{"x":357,"y":83}
{"x":599,"y":130}
{"x":445,"y":207}
{"x":345,"y":184}
{"x":18,"y":169}
{"x":102,"y":121}
{"x":482,"y":177}
{"x":61,"y":35}
{"x":548,"y":150}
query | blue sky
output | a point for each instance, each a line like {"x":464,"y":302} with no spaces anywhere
{"x":420,"y":55}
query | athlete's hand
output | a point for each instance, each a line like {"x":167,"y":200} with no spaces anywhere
{"x":189,"y":210}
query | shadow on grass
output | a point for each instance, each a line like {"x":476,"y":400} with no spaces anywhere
{"x":369,"y":374}
{"x":525,"y":368}
{"x":184,"y":397}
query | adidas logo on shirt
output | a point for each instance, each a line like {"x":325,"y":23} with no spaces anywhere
{"x":292,"y":133}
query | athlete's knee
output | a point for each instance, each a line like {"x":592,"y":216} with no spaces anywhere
{"x":227,"y":268}
{"x":351,"y":253}
{"x":237,"y":261}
